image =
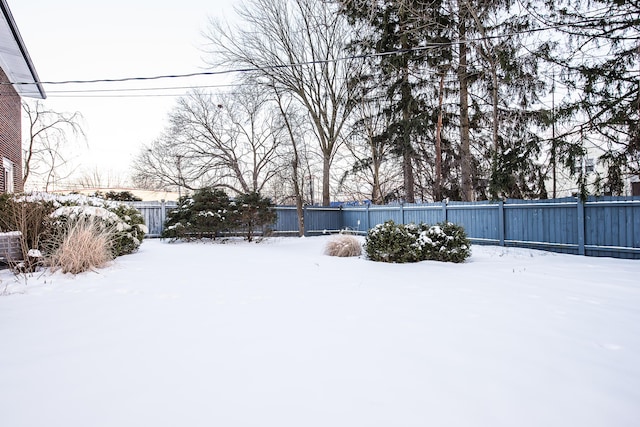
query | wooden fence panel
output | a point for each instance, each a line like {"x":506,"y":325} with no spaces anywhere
{"x":322,"y":220}
{"x":380,"y":214}
{"x":155,"y":215}
{"x":480,"y":220}
{"x":542,"y":224}
{"x":612,"y":225}
{"x":287,"y":222}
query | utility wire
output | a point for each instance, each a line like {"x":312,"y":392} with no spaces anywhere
{"x":428,"y":46}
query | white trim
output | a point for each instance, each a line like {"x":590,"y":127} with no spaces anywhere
{"x":9,"y":182}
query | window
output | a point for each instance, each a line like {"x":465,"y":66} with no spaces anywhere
{"x":8,"y":175}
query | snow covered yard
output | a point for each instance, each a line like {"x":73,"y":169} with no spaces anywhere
{"x":278,"y":334}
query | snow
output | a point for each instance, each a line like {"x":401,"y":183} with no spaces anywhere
{"x":278,"y":334}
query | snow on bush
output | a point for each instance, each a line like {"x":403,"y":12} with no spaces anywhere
{"x":205,"y":214}
{"x":55,"y":212}
{"x":210,"y":212}
{"x":125,"y":221}
{"x":399,"y":243}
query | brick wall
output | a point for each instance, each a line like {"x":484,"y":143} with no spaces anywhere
{"x":10,"y":132}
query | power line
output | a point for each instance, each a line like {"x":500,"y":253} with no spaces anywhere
{"x":428,"y":46}
{"x":143,"y":89}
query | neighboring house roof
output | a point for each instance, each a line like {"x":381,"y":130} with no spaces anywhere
{"x":14,"y":58}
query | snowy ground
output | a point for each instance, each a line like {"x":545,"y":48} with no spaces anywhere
{"x":277,"y":334}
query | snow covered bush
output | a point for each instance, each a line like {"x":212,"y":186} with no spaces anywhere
{"x":210,"y":212}
{"x":43,"y":217}
{"x":343,"y":246}
{"x":84,"y":243}
{"x":445,"y":242}
{"x":390,"y":242}
{"x":205,"y":214}
{"x":124,"y":223}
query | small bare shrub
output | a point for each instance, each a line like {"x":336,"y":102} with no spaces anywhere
{"x":343,"y":246}
{"x":84,"y":245}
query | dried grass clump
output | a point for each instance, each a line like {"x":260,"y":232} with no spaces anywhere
{"x":343,"y":246}
{"x":85,"y":245}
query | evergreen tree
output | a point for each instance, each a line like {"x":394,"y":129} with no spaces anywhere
{"x":205,"y":214}
{"x":599,"y":59}
{"x":253,"y":212}
{"x":398,"y":39}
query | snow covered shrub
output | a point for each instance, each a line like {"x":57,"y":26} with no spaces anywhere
{"x":444,"y":242}
{"x":390,"y":242}
{"x":124,"y":221}
{"x":343,"y":246}
{"x":252,"y":213}
{"x":84,"y":243}
{"x":132,"y":230}
{"x":205,"y":214}
{"x":45,"y":215}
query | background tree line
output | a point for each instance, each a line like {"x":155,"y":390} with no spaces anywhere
{"x":412,"y":101}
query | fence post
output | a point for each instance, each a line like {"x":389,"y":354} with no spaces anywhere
{"x":402,"y":212}
{"x":304,"y":221}
{"x":368,"y":223}
{"x":501,"y":222}
{"x":163,"y":215}
{"x":580,"y":206}
{"x":444,"y":211}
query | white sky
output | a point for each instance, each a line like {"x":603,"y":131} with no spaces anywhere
{"x":85,"y":40}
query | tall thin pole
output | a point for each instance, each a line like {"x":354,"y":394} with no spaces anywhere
{"x":553,"y":133}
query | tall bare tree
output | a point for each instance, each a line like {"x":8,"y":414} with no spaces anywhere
{"x":223,"y":141}
{"x":294,"y":46}
{"x":47,"y":136}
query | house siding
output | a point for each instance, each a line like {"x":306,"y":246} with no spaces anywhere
{"x":10,"y":132}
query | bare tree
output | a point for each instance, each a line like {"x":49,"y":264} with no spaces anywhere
{"x":372,"y":151}
{"x":291,"y":125}
{"x":295,"y":46}
{"x":97,"y":178}
{"x":214,"y":141}
{"x":43,"y":150}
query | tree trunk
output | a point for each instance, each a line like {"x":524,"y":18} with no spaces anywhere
{"x":407,"y":152}
{"x":437,"y":191}
{"x":326,"y":167}
{"x":465,"y":151}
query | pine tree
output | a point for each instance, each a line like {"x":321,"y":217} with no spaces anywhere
{"x":599,"y":59}
{"x":398,"y":38}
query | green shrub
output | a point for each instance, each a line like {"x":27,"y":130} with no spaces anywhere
{"x":398,"y":243}
{"x":205,"y":214}
{"x":391,"y":242}
{"x":444,"y":241}
{"x":130,"y":234}
{"x":252,"y":213}
{"x":210,"y":212}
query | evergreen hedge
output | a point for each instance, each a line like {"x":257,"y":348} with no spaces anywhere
{"x":399,"y":243}
{"x":210,"y":213}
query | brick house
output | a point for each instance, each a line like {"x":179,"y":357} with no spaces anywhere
{"x":15,"y":67}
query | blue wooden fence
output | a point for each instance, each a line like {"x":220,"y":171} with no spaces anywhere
{"x":598,"y":227}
